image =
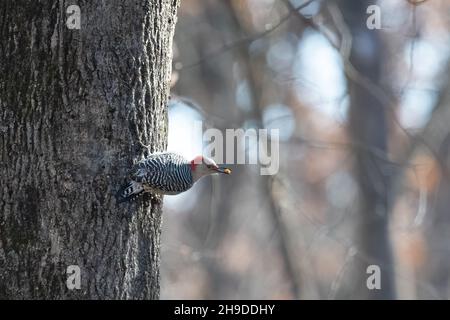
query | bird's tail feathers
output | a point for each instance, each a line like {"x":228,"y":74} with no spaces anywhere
{"x":129,"y":191}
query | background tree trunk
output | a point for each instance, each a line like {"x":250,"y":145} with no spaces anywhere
{"x":76,"y":108}
{"x":369,"y":127}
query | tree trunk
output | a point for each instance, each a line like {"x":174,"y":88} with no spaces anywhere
{"x":369,"y":130}
{"x":76,"y":109}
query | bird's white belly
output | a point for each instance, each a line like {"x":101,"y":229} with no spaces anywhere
{"x":149,"y":189}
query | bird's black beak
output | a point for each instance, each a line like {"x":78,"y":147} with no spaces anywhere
{"x":223,"y":170}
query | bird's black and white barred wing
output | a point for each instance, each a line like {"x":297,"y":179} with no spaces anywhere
{"x":165,"y":172}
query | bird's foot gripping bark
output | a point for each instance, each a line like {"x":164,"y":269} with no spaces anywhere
{"x":157,"y":198}
{"x":151,"y":199}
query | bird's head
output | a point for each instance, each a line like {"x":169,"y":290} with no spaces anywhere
{"x":203,"y":166}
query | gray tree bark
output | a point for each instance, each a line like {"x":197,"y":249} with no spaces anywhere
{"x":76,"y":109}
{"x":369,"y":127}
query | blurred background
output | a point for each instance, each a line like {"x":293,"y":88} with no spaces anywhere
{"x":364,"y":124}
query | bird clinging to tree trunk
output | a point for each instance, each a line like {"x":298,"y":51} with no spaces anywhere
{"x":167,"y":174}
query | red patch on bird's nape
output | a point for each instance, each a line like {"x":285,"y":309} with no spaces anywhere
{"x":197,"y":160}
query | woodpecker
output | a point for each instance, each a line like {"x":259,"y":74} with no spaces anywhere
{"x":167,"y":173}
